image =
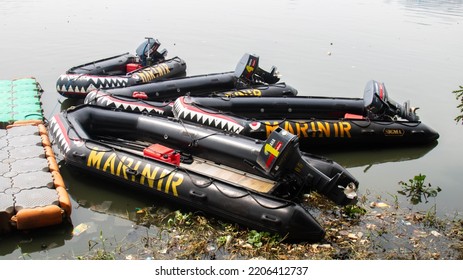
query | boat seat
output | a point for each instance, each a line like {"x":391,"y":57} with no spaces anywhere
{"x":231,"y":175}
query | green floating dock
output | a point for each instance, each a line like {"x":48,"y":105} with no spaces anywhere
{"x":32,"y":191}
{"x":20,"y":100}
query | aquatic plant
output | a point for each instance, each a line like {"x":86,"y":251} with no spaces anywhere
{"x":255,"y":237}
{"x":99,"y":253}
{"x":383,"y":232}
{"x":180,"y":219}
{"x":353,"y":211}
{"x":459,"y":96}
{"x":416,"y":189}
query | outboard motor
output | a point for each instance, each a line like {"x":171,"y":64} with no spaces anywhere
{"x":377,"y":103}
{"x":281,"y":158}
{"x":148,"y":52}
{"x":248,"y":71}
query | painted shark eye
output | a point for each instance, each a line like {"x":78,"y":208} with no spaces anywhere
{"x":254,"y":125}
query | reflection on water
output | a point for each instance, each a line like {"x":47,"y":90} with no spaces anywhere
{"x":39,"y":241}
{"x":102,"y":196}
{"x":367,"y":157}
{"x":445,"y":10}
{"x":70,"y":102}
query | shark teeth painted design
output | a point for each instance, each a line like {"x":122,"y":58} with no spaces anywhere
{"x":75,"y":83}
{"x":106,"y":100}
{"x":59,"y":137}
{"x":183,"y":110}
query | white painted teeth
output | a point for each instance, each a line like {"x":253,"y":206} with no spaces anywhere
{"x":58,"y":136}
{"x":183,"y":111}
{"x":106,"y":100}
{"x":84,"y":84}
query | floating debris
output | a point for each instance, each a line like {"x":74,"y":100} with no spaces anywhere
{"x":379,"y":205}
{"x":79,"y":229}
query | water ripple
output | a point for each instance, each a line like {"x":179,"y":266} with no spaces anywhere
{"x":426,"y":12}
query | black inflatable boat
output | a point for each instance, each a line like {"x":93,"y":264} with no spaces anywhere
{"x":147,"y":65}
{"x":376,"y":120}
{"x":248,"y":79}
{"x":254,"y":183}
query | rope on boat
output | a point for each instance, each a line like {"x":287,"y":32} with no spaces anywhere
{"x":101,"y":93}
{"x":353,"y":121}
